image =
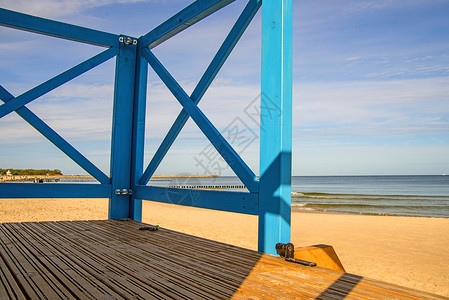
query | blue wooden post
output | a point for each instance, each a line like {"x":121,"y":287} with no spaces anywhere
{"x":275,"y":127}
{"x":138,"y":133}
{"x":122,"y":130}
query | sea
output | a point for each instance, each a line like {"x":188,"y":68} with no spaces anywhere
{"x":410,"y":195}
{"x":417,"y":196}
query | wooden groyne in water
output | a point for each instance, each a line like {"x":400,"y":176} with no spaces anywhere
{"x":209,"y":186}
{"x":84,"y":178}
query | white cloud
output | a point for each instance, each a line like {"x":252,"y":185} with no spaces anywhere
{"x":221,"y":104}
{"x":363,"y":6}
{"x":80,"y":112}
{"x":337,"y":112}
{"x":57,"y":8}
{"x":345,"y":109}
{"x":417,"y":106}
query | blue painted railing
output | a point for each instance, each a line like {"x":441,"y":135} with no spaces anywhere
{"x":268,"y":197}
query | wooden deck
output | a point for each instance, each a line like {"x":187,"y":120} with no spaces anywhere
{"x":114,"y":260}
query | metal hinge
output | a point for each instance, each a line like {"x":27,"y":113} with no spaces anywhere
{"x":120,"y":192}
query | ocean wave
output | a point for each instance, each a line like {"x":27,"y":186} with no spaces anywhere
{"x":297,"y":194}
{"x":361,"y":198}
{"x":372,"y":205}
{"x":333,"y":195}
{"x":375,"y":209}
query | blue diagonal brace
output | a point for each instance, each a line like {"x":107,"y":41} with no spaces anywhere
{"x":57,"y":29}
{"x":218,"y":141}
{"x":214,"y":67}
{"x":193,"y":13}
{"x":56,"y":139}
{"x":56,"y":81}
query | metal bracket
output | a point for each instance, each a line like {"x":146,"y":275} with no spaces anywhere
{"x":119,"y":192}
{"x":127,"y":41}
{"x":288,"y":252}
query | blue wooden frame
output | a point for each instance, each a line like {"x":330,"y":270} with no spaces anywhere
{"x":126,"y":186}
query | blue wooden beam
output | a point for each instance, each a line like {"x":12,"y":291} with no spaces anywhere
{"x":122,"y":131}
{"x":56,"y":81}
{"x":276,"y":125}
{"x":218,"y":141}
{"x":239,"y":202}
{"x":193,"y":13}
{"x":138,"y":139}
{"x":54,"y":190}
{"x":57,"y":29}
{"x":56,"y":139}
{"x":214,"y":67}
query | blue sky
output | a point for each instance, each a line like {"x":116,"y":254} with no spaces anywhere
{"x":370,"y":86}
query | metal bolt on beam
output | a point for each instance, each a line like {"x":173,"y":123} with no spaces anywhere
{"x":119,"y":192}
{"x":128,"y":40}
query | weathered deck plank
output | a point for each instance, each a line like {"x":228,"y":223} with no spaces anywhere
{"x":114,"y":260}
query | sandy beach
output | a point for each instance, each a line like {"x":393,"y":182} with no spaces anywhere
{"x":408,"y":251}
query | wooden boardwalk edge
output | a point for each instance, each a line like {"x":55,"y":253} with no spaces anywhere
{"x":110,"y":259}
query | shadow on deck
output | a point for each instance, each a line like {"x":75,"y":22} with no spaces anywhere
{"x":113,"y":259}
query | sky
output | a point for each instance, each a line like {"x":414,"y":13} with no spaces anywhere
{"x":370,"y":87}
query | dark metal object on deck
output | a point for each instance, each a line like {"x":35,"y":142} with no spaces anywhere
{"x":150,"y":228}
{"x":288,"y":252}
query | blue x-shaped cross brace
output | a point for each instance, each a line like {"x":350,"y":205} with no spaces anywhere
{"x":188,"y":16}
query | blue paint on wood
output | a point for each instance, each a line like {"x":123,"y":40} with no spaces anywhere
{"x":193,"y":13}
{"x":56,"y":139}
{"x":57,"y":29}
{"x":56,"y":81}
{"x":138,"y":132}
{"x":54,"y":190}
{"x":209,"y":75}
{"x":276,"y":123}
{"x":122,"y":126}
{"x":239,"y":202}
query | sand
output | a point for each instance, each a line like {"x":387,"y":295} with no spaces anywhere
{"x":409,"y":251}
